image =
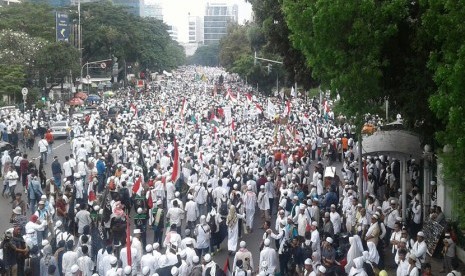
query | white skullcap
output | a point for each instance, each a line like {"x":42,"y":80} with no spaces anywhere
{"x":174,"y":271}
{"x":139,"y":210}
{"x":242,"y":244}
{"x":195,"y":259}
{"x":329,"y":239}
{"x":267,"y":242}
{"x":207,"y":258}
{"x":113,"y":260}
{"x":148,"y":248}
{"x":145,"y":270}
{"x":155,"y":246}
{"x":322,"y":269}
{"x":127,"y":269}
{"x":308,"y":261}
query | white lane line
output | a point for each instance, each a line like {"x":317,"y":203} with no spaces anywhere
{"x":60,"y":145}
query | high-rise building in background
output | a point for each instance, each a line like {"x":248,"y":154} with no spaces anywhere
{"x":216,"y":20}
{"x":195,"y":29}
{"x":9,"y":2}
{"x":153,"y":11}
{"x":132,"y":6}
{"x":173,"y":32}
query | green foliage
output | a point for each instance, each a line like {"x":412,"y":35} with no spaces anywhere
{"x":58,"y":60}
{"x":36,"y":20}
{"x":205,"y":55}
{"x":233,"y":45}
{"x":443,"y":25}
{"x":18,"y":48}
{"x":12,"y":79}
{"x":269,"y":17}
{"x":109,"y":30}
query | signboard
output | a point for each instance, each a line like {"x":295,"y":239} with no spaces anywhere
{"x":62,"y":26}
{"x":433,"y":232}
{"x":24,"y":91}
{"x":227,"y":114}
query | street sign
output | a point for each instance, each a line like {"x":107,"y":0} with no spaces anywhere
{"x":88,"y":77}
{"x":103,"y":65}
{"x":24,"y":91}
{"x":24,"y":97}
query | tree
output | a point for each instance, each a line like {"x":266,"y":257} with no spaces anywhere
{"x":443,"y":22}
{"x":367,"y":51}
{"x":12,"y":79}
{"x":18,"y":47}
{"x":273,"y":26}
{"x":57,"y":61}
{"x":36,"y":20}
{"x":233,"y":45}
{"x":205,"y":55}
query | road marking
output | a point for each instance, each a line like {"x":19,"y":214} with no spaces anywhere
{"x":60,"y":145}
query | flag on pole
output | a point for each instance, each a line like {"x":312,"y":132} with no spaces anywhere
{"x":233,"y":125}
{"x":259,"y":108}
{"x":249,"y":97}
{"x":150,"y":200}
{"x":183,"y":108}
{"x":287,"y":110}
{"x":134,"y":109}
{"x":176,"y":169}
{"x":128,"y":241}
{"x":90,"y":193}
{"x":137,"y":187}
{"x":230,"y":95}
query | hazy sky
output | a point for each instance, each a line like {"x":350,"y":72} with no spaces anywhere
{"x":175,"y":12}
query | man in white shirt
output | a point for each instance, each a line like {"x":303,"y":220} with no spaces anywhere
{"x":82,"y":218}
{"x":192,"y":212}
{"x":335,"y":219}
{"x":175,"y":215}
{"x":419,"y":249}
{"x":43,"y":149}
{"x":250,"y":201}
{"x":67,"y":169}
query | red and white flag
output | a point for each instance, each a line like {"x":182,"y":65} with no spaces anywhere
{"x":90,"y":193}
{"x":176,"y":164}
{"x":183,"y":108}
{"x":259,"y":108}
{"x":137,"y":187}
{"x":230,"y":95}
{"x":150,"y":200}
{"x":133,"y":108}
{"x":287,"y":110}
{"x":249,"y":97}
{"x":233,"y":125}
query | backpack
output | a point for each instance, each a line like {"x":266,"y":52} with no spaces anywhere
{"x":212,"y":224}
{"x":210,"y":199}
{"x":224,"y":208}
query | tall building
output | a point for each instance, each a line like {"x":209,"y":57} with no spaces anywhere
{"x":216,"y":20}
{"x":173,"y":32}
{"x":195,"y":29}
{"x":153,"y":11}
{"x":132,"y":6}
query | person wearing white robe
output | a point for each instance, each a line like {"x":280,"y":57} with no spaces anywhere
{"x":148,"y":260}
{"x":123,"y":256}
{"x":136,"y":243}
{"x":111,"y":266}
{"x":357,"y":269}
{"x":232,"y":221}
{"x":85,"y":263}
{"x":102,"y":253}
{"x":335,"y":219}
{"x":270,"y":256}
{"x":373,"y":255}
{"x":263,"y":202}
{"x":250,"y":199}
{"x":355,"y":251}
{"x":69,"y":259}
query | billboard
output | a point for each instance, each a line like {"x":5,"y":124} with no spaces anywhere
{"x":62,"y":26}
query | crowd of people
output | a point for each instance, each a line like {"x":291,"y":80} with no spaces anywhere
{"x":195,"y":161}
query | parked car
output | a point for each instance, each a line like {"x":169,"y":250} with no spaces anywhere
{"x":60,"y":129}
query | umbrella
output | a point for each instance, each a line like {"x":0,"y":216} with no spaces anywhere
{"x":81,"y":95}
{"x":93,"y":98}
{"x":76,"y":101}
{"x":108,"y":93}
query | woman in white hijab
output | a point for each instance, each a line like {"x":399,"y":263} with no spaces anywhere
{"x":373,"y":255}
{"x":358,"y":268}
{"x":355,"y":251}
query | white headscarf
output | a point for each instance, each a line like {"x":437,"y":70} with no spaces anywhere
{"x":373,"y":255}
{"x":355,"y":251}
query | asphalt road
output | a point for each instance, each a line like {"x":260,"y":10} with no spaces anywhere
{"x":61,"y":149}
